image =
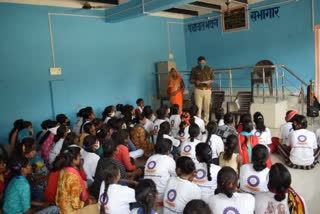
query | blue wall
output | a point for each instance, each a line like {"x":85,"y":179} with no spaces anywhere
{"x":286,"y":40}
{"x":102,"y":63}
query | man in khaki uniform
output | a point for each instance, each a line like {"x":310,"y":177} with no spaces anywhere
{"x":202,"y":77}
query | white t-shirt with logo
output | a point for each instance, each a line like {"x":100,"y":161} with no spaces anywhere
{"x":207,"y":187}
{"x":265,"y":203}
{"x":263,"y":137}
{"x":175,"y":121}
{"x":252,"y":181}
{"x":90,"y":161}
{"x":118,"y":200}
{"x":200,"y":123}
{"x":216,"y":144}
{"x":178,"y":193}
{"x":239,"y":203}
{"x":285,"y":130}
{"x":188,"y":149}
{"x":160,"y":168}
{"x":302,"y":143}
{"x":157,"y":124}
{"x":184,"y":136}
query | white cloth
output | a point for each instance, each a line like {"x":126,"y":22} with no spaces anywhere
{"x":90,"y":162}
{"x":160,"y":168}
{"x":54,"y":130}
{"x":188,"y":149}
{"x":55,"y":150}
{"x":178,"y":193}
{"x":238,"y":203}
{"x":263,"y":137}
{"x":302,"y":143}
{"x":119,"y":198}
{"x":216,"y":143}
{"x":221,"y":122}
{"x":207,"y":187}
{"x":265,"y":203}
{"x":136,"y":154}
{"x":252,"y":181}
{"x":175,"y":121}
{"x":285,"y":130}
{"x":175,"y":142}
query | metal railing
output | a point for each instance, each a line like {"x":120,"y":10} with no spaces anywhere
{"x":233,"y":78}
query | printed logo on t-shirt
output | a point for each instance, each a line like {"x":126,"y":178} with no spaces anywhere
{"x":104,"y":199}
{"x":172,"y":123}
{"x":150,"y":167}
{"x":302,"y":140}
{"x":201,"y":176}
{"x":258,"y":134}
{"x":253,"y":182}
{"x":230,"y":210}
{"x":186,"y":150}
{"x":171,"y":197}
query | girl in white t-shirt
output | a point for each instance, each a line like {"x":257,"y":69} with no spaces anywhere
{"x":301,"y":150}
{"x":89,"y":157}
{"x":62,"y":132}
{"x":253,"y":177}
{"x":213,"y":140}
{"x":261,"y":131}
{"x":207,"y":172}
{"x":188,"y":148}
{"x":164,"y":133}
{"x":146,"y":195}
{"x":160,"y":167}
{"x":180,"y":190}
{"x":161,"y":117}
{"x":276,"y":199}
{"x":114,"y":198}
{"x":175,"y":120}
{"x":226,"y":198}
{"x":193,"y":113}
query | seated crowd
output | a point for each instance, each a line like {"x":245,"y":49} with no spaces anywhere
{"x":132,"y":160}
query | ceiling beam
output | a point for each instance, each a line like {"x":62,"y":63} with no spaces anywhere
{"x":183,"y":11}
{"x":206,"y":5}
{"x":114,"y":2}
{"x":242,"y":1}
{"x":136,"y":8}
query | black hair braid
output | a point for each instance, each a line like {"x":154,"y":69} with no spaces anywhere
{"x":209,"y":171}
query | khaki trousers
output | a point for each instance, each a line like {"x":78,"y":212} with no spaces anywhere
{"x":202,"y":99}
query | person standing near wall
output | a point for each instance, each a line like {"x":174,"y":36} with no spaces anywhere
{"x":202,"y":77}
{"x":175,"y":88}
